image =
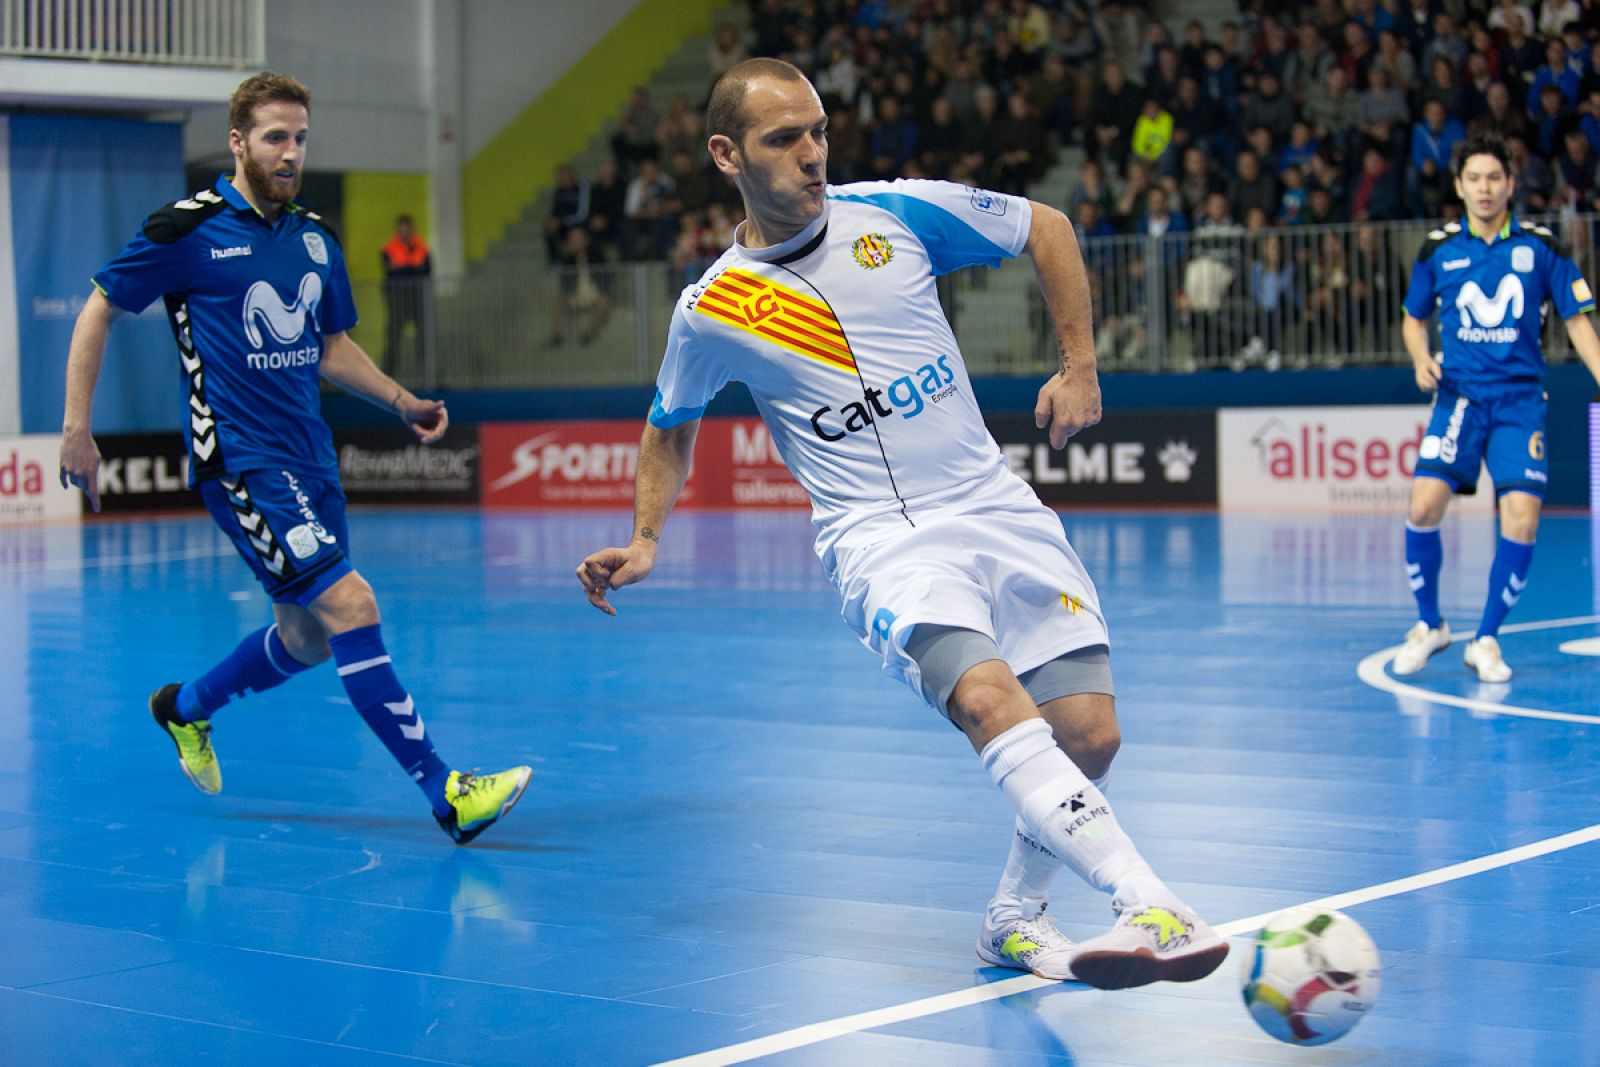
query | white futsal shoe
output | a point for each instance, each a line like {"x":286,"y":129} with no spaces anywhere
{"x":1422,"y":641}
{"x":1150,"y":943}
{"x":1483,"y":656}
{"x":1027,"y":945}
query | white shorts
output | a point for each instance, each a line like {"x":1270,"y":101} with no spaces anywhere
{"x":997,"y":562}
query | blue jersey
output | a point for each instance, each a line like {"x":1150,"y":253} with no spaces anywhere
{"x":1490,"y":295}
{"x":250,"y":303}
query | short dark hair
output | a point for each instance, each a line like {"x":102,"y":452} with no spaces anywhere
{"x":1482,"y":144}
{"x":725,"y":114}
{"x":264,"y":88}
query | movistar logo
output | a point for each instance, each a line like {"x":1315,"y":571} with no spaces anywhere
{"x":1482,"y":314}
{"x":285,"y":322}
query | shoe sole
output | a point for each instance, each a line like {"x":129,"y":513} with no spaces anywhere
{"x":1126,"y":970}
{"x":184,"y":767}
{"x":1000,"y":961}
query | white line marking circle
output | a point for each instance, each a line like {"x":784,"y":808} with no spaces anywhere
{"x":1371,"y":670}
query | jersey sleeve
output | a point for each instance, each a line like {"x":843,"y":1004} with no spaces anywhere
{"x":688,"y":379}
{"x":337,"y":312}
{"x":143,"y":271}
{"x":958,"y":225}
{"x":1420,"y":298}
{"x":1569,"y":292}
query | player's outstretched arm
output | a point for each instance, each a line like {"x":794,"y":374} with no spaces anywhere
{"x":1414,"y":332}
{"x":662,"y":469}
{"x":80,"y":456}
{"x":1580,"y":331}
{"x":348,"y":366}
{"x":1070,"y":400}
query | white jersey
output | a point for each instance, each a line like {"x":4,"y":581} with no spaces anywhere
{"x":839,"y":335}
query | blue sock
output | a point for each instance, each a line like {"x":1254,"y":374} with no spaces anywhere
{"x":365,"y":670}
{"x":260,"y":662}
{"x":1424,"y":556}
{"x":1507,"y":577}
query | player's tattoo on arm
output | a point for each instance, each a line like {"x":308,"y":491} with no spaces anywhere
{"x":649,"y":534}
{"x":1066,"y":362}
{"x":395,"y":403}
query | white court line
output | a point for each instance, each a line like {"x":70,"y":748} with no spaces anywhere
{"x":1370,"y":670}
{"x":916,"y":1009}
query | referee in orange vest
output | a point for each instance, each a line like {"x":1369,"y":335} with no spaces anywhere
{"x":407,"y":267}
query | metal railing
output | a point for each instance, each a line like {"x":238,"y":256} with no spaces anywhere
{"x":1312,"y":296}
{"x":195,"y":33}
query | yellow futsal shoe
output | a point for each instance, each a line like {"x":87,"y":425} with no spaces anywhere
{"x":478,"y":801}
{"x":193,"y":739}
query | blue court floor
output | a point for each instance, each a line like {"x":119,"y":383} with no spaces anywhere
{"x":738,"y":828}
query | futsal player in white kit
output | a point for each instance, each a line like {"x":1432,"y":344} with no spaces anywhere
{"x":950,"y":568}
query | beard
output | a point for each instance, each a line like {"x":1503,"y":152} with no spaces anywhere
{"x":263,"y":185}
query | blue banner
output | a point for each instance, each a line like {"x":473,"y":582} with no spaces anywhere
{"x":80,"y":190}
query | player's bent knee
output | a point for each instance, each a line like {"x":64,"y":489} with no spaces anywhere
{"x":1095,"y":750}
{"x":347,"y":604}
{"x":985,"y":706}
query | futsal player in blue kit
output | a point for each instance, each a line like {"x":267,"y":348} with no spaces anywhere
{"x":259,"y":301}
{"x":1489,"y":279}
{"x":951,"y":570}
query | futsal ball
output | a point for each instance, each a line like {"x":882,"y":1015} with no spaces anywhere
{"x":1310,"y":975}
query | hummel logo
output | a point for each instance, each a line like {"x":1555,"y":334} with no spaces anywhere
{"x":230,"y":253}
{"x":1456,"y":264}
{"x":1517,"y":584}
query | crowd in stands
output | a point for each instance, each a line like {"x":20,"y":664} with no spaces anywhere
{"x":1295,"y":112}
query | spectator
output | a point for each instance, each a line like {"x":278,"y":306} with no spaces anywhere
{"x":725,"y":51}
{"x":1219,"y":85}
{"x":1534,"y":189}
{"x":1520,"y":56}
{"x":1500,"y":14}
{"x":1590,"y":123}
{"x":607,"y":195}
{"x":1331,"y":110}
{"x":1378,"y":283}
{"x":1130,"y":201}
{"x":1301,"y":147}
{"x":1433,"y":142}
{"x":1077,"y":46}
{"x":1023,"y":151}
{"x":770,"y":24}
{"x":1554,"y":72}
{"x":1006,"y":64}
{"x":1273,"y":301}
{"x":1161,"y":80}
{"x":1113,"y":110}
{"x":1091,"y":185}
{"x":1269,"y":106}
{"x":1252,"y":187}
{"x":1207,"y":278}
{"x":1394,"y":59}
{"x":941,"y":142}
{"x":1152,"y":132}
{"x":1292,"y":198}
{"x":1359,"y":53}
{"x":983,"y":137}
{"x":894,"y":138}
{"x":1445,"y":42}
{"x":847,"y":145}
{"x":1550,"y":122}
{"x":407,"y":292}
{"x":1322,"y":209}
{"x":1444,"y":87}
{"x":1197,"y":180}
{"x":1307,"y":66}
{"x":1500,"y":115}
{"x":1376,"y":196}
{"x":1576,"y":169}
{"x":1276,"y":52}
{"x":1051,"y":95}
{"x":691,"y":184}
{"x":651,"y":227}
{"x":1554,"y":16}
{"x":1329,"y":310}
{"x":1192,"y":53}
{"x":1029,"y":26}
{"x":1191,"y":114}
{"x":1382,"y":114}
{"x":1088,"y":224}
{"x":962,"y":92}
{"x":636,"y":133}
{"x":569,"y":207}
{"x":579,"y":300}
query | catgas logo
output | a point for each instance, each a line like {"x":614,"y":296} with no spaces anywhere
{"x":904,"y":397}
{"x":872,"y":250}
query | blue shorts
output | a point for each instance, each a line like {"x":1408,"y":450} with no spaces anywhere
{"x":1502,"y":427}
{"x":290,"y":529}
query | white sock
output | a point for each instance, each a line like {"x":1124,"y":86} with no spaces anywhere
{"x":1024,"y":887}
{"x":1068,"y":815}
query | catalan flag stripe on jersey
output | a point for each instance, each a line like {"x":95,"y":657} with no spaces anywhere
{"x":778,"y":314}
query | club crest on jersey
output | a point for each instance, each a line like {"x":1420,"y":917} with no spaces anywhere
{"x":872,"y":250}
{"x":987,"y":202}
{"x":316,"y":248}
{"x":1522,"y":259}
